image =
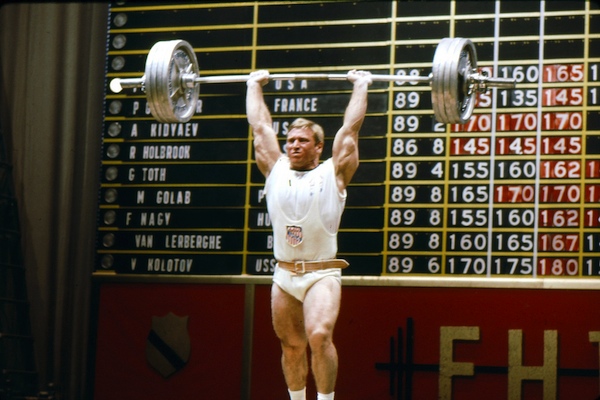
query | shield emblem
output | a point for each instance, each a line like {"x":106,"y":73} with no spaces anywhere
{"x":168,"y":345}
{"x":294,"y":235}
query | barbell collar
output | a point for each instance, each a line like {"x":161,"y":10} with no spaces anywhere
{"x":484,"y":81}
{"x":502,"y":83}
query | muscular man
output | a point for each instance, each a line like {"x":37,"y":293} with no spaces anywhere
{"x":305,"y":200}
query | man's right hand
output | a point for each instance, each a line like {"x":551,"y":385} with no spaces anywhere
{"x":356,"y":75}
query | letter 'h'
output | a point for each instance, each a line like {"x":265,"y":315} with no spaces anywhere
{"x":517,"y":373}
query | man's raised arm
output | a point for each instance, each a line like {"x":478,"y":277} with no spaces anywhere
{"x":266,"y":147}
{"x":345,"y":143}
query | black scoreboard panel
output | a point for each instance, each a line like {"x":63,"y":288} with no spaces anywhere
{"x":515,"y":192}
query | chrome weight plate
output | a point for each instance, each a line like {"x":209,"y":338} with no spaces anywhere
{"x":169,"y":99}
{"x":452,"y":94}
{"x":437,"y":80}
{"x":152,"y":83}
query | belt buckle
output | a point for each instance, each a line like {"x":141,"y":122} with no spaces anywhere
{"x":303,"y":270}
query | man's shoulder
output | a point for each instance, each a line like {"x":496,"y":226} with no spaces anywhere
{"x":282,"y":162}
{"x":327,"y":163}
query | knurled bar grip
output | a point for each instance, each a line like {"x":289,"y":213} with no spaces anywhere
{"x":323,"y":77}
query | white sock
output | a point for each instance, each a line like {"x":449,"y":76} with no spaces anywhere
{"x":297,"y":394}
{"x":328,"y":396}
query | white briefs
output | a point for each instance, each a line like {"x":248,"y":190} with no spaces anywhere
{"x":298,"y":284}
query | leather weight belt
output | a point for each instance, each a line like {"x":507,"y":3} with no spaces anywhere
{"x":301,"y":267}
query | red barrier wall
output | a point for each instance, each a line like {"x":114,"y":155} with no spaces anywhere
{"x":215,"y":327}
{"x":374,"y":324}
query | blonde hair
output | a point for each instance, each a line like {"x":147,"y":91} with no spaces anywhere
{"x":300,"y":123}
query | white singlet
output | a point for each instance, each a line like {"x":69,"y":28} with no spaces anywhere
{"x":305,"y":208}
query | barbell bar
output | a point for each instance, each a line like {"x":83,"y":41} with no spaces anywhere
{"x":172,"y":80}
{"x":117,"y":84}
{"x":284,"y":77}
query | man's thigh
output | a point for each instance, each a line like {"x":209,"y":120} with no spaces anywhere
{"x":322,"y":304}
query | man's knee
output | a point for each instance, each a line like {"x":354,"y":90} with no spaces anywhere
{"x":320,"y":338}
{"x":293,"y":343}
{"x":295,"y":351}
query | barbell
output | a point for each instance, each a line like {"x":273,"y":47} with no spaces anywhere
{"x":172,"y":80}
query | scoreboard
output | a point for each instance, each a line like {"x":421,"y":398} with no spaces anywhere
{"x":513,"y":193}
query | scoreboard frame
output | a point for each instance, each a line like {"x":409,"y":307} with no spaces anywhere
{"x":508,"y":200}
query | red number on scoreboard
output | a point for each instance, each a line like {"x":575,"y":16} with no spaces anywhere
{"x":563,"y":73}
{"x":592,"y":193}
{"x":560,"y":194}
{"x":592,"y":169}
{"x":515,"y":145}
{"x":470,"y":146}
{"x":546,"y":194}
{"x":514,"y":194}
{"x":592,"y":217}
{"x":560,"y":169}
{"x":559,"y":218}
{"x":562,"y":97}
{"x":558,"y":266}
{"x":558,"y":242}
{"x":561,"y":145}
{"x":529,"y":122}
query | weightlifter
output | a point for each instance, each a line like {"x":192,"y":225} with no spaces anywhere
{"x":305,"y":200}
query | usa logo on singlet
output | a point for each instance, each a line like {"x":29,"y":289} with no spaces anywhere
{"x":294,"y":235}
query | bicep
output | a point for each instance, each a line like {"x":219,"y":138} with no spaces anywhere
{"x":345,"y":156}
{"x":266,"y":148}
